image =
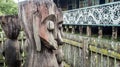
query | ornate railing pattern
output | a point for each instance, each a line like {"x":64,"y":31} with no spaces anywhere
{"x":106,"y":14}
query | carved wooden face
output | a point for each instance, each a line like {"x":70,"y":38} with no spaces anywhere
{"x":50,"y":28}
{"x":51,"y":32}
{"x":43,"y":20}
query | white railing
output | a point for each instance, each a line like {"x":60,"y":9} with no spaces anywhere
{"x":106,"y":14}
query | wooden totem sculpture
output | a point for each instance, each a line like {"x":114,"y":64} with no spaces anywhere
{"x":11,"y":50}
{"x":42,"y":23}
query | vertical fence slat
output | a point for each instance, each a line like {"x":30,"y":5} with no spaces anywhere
{"x":107,"y":61}
{"x":114,"y":62}
{"x":90,"y":58}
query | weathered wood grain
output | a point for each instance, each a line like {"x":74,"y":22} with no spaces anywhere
{"x":12,"y":49}
{"x":44,"y":40}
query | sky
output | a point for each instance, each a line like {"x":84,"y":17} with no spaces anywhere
{"x":18,"y":0}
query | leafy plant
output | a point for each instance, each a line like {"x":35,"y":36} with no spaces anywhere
{"x":8,"y":7}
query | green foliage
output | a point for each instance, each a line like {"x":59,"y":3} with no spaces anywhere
{"x":8,"y":7}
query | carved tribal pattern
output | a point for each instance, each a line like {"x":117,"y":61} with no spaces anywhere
{"x":108,"y":14}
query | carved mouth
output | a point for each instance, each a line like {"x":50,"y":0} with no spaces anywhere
{"x":52,"y":44}
{"x":59,"y":42}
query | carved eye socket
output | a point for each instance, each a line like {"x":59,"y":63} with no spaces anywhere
{"x":50,"y":25}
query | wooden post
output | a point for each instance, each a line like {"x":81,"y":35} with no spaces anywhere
{"x":73,"y":29}
{"x":81,"y":29}
{"x":66,"y":28}
{"x":85,"y":53}
{"x":114,"y":33}
{"x":12,"y":50}
{"x":88,"y":31}
{"x":100,"y":32}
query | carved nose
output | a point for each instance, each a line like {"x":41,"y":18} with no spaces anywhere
{"x":59,"y":39}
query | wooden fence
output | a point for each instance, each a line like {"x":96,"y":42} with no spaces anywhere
{"x":81,"y":51}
